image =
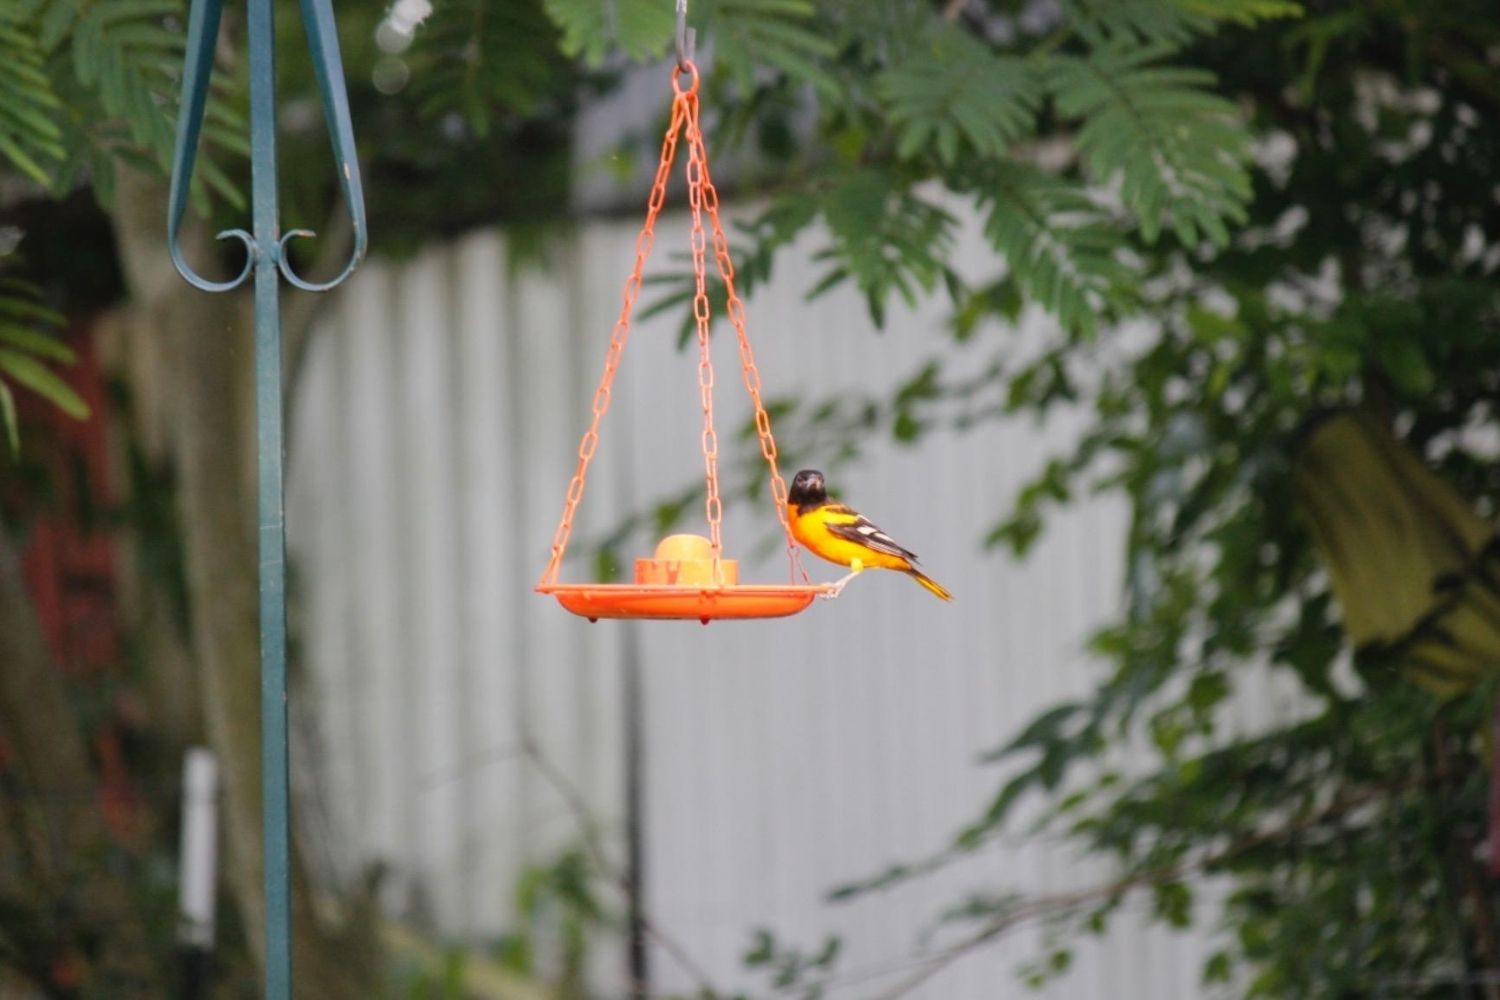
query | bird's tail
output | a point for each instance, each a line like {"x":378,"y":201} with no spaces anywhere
{"x":929,"y":583}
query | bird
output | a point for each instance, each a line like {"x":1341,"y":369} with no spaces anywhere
{"x":842,"y":535}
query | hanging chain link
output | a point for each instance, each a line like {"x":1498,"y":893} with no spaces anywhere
{"x":621,"y":332}
{"x":702,"y":198}
{"x":697,"y":175}
{"x":736,"y":310}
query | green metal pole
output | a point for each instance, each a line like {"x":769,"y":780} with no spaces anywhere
{"x":267,"y":262}
{"x":270,"y":451}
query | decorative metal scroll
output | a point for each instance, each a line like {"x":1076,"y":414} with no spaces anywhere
{"x":267,"y":261}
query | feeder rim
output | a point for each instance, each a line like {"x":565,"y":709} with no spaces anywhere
{"x":701,"y":602}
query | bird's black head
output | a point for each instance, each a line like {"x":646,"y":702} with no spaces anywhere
{"x":807,"y":489}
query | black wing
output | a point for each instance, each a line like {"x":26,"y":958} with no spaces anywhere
{"x":864,"y":532}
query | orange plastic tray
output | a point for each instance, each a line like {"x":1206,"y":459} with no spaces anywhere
{"x":637,"y":600}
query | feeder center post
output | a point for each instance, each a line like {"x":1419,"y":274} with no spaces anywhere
{"x":267,"y":261}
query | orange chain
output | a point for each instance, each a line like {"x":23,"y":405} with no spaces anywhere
{"x":702,"y":197}
{"x":697,"y":175}
{"x":618,"y":336}
{"x":736,"y":310}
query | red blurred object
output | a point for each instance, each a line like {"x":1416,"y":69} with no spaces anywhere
{"x":69,"y":557}
{"x":70,"y":563}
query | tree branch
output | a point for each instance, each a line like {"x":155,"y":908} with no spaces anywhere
{"x":1050,"y":905}
{"x":589,"y":828}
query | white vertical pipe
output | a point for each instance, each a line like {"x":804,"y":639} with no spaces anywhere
{"x":200,"y":848}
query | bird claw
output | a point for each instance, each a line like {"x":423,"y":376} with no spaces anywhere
{"x":838,"y":588}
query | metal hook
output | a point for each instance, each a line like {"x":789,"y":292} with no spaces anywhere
{"x":687,"y":38}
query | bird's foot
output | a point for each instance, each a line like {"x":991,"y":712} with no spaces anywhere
{"x":838,"y":588}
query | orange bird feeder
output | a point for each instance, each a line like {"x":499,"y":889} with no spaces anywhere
{"x":688,"y":576}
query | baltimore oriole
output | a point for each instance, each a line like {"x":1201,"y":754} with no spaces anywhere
{"x":845,"y":536}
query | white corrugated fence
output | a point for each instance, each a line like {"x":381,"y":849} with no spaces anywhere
{"x":436,"y":428}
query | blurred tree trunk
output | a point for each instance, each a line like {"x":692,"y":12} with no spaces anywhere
{"x":52,"y":826}
{"x":149,"y":586}
{"x":197,"y":378}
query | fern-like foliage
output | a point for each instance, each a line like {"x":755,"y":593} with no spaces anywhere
{"x":1166,"y":22}
{"x":748,"y":34}
{"x":122,"y":52}
{"x":885,"y":238}
{"x":29,"y":134}
{"x":952,"y":90}
{"x":107,"y":73}
{"x":1061,"y":249}
{"x":906,"y":96}
{"x":476,"y":57}
{"x":784,"y":35}
{"x":28,"y":345}
{"x":1178,"y":150}
{"x":642,"y":29}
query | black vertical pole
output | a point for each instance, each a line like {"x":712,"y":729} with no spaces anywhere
{"x":635,"y":778}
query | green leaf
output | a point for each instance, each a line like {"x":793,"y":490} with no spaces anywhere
{"x":34,"y":342}
{"x":1174,"y":903}
{"x":762,"y":951}
{"x":949,"y":87}
{"x":781,"y":34}
{"x":1167,"y":22}
{"x":884,"y":237}
{"x":31,"y":373}
{"x":484,"y":60}
{"x":1243,"y":12}
{"x":56,"y":23}
{"x":9,"y":419}
{"x":112,"y":67}
{"x":1406,"y":363}
{"x":641,"y":29}
{"x":1179,"y":151}
{"x":23,"y":160}
{"x":1060,"y":246}
{"x":29,"y":133}
{"x":23,"y":309}
{"x":1049,"y":727}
